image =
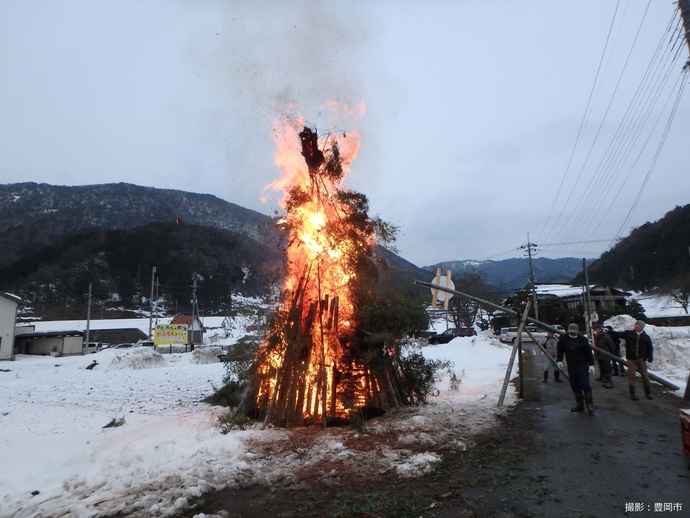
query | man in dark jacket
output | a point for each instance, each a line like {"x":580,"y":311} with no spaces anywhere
{"x":603,"y":341}
{"x":578,"y":355}
{"x":616,"y":351}
{"x":638,"y":351}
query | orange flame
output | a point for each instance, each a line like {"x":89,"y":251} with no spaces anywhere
{"x":317,"y":313}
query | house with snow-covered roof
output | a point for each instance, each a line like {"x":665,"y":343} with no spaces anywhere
{"x":195,"y":329}
{"x":603,"y":296}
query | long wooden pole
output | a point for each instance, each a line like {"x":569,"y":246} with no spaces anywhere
{"x":506,"y":380}
{"x":543,"y":349}
{"x":511,"y":362}
{"x":518,"y":343}
{"x":543,"y":325}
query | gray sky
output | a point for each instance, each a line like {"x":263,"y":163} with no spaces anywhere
{"x":485,"y":121}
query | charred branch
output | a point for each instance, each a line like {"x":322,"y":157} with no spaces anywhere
{"x":313,"y":156}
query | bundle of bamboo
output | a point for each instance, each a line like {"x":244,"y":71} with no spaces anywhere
{"x":312,"y":368}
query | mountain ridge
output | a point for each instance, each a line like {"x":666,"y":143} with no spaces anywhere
{"x":513,"y":273}
{"x":33,"y":215}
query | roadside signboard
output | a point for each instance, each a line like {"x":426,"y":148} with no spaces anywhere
{"x":170,"y":334}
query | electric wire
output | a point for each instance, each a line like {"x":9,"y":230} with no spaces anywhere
{"x":579,"y":208}
{"x":581,"y":128}
{"x":593,"y":179}
{"x":658,"y":152}
{"x":635,"y":163}
{"x":635,"y":123}
{"x":603,"y":120}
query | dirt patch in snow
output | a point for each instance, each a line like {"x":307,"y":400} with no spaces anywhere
{"x":398,"y":465}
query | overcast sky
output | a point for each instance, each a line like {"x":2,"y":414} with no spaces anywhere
{"x":485,"y":121}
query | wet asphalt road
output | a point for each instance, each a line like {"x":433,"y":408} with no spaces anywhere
{"x":625,"y":460}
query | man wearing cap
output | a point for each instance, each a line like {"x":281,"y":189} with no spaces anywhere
{"x":638,"y":351}
{"x":575,"y":347}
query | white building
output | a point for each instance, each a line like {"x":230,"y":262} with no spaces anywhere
{"x":8,"y":318}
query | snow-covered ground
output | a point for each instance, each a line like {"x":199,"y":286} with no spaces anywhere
{"x":659,"y":305}
{"x":58,"y":458}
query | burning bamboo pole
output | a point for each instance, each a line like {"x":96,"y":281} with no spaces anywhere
{"x":316,"y":365}
{"x":305,"y":381}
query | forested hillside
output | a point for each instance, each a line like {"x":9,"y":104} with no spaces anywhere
{"x":55,"y":240}
{"x":36,"y":215}
{"x":119,"y":265}
{"x":652,"y":256}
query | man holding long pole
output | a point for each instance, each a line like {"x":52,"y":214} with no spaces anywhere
{"x":578,"y":354}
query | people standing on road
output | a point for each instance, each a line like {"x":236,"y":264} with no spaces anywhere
{"x":551,"y":346}
{"x":578,"y":354}
{"x":638,"y":351}
{"x":603,"y":341}
{"x":616,"y":351}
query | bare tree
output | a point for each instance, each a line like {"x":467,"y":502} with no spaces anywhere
{"x":463,"y":311}
{"x":677,"y":289}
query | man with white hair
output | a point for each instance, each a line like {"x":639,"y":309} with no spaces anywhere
{"x":638,"y":351}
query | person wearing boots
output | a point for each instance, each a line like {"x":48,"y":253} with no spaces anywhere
{"x":638,"y":351}
{"x":603,"y":341}
{"x":578,"y":354}
{"x":616,"y":350}
{"x":551,"y":346}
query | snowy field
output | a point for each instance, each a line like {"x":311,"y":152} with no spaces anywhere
{"x":59,"y":459}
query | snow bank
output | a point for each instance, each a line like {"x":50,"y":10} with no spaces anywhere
{"x":204,"y":355}
{"x":135,"y":358}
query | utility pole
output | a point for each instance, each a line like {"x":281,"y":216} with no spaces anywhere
{"x":88,"y":319}
{"x":195,"y":306}
{"x":588,"y":301}
{"x":195,"y":310}
{"x":532,"y":247}
{"x":153,"y":282}
{"x":158,"y":284}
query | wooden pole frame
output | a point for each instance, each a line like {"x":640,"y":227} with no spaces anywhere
{"x":543,"y":325}
{"x":517,"y":348}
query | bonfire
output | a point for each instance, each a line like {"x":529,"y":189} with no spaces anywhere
{"x":317,"y":366}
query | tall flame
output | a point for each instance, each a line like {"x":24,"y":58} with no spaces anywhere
{"x":303,"y":359}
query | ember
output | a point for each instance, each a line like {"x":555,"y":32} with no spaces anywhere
{"x":314,"y":366}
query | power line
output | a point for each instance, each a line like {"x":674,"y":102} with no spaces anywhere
{"x":581,"y":128}
{"x":634,"y":132}
{"x":658,"y":151}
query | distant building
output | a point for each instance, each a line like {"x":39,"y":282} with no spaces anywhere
{"x":66,"y":337}
{"x":49,"y":343}
{"x":195,"y":333}
{"x":117,"y":336}
{"x":603,"y":296}
{"x":8,"y":319}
